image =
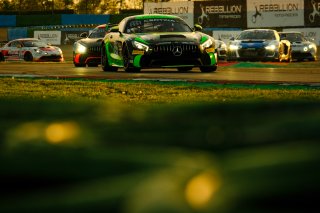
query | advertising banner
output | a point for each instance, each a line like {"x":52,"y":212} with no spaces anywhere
{"x":221,"y":13}
{"x":312,"y":13}
{"x":312,"y":34}
{"x":275,"y":13}
{"x":225,"y":35}
{"x":182,"y":9}
{"x":69,"y":37}
{"x":52,"y":37}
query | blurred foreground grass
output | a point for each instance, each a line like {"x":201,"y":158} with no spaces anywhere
{"x":100,"y":155}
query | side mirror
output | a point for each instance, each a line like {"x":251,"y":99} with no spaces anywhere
{"x":197,"y":27}
{"x":84,"y":35}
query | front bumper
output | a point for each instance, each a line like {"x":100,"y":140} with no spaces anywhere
{"x":258,"y":54}
{"x":164,"y":56}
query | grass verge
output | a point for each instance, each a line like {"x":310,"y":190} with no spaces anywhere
{"x":109,"y":146}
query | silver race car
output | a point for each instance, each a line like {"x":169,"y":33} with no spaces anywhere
{"x":301,"y":48}
{"x":259,"y":45}
{"x":30,"y":49}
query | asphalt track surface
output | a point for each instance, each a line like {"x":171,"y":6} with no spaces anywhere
{"x":244,"y":72}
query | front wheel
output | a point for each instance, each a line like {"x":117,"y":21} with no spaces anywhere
{"x":184,"y":69}
{"x":126,"y":61}
{"x":208,"y":68}
{"x":28,"y":57}
{"x":1,"y":57}
{"x":104,"y":61}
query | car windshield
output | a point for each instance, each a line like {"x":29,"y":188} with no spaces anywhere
{"x":152,"y":25}
{"x":98,"y":33}
{"x":257,"y":34}
{"x":293,"y":37}
{"x":34,"y":43}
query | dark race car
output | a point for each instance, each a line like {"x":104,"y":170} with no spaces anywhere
{"x":30,"y":49}
{"x":259,"y":45}
{"x":301,"y":48}
{"x":86,"y":51}
{"x":157,"y":41}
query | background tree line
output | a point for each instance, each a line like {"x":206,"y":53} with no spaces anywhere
{"x":71,"y":6}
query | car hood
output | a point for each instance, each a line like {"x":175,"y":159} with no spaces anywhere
{"x":256,"y":43}
{"x":89,"y":42}
{"x":300,"y":43}
{"x":171,"y":37}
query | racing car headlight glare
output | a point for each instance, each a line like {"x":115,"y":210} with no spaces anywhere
{"x":271,"y":47}
{"x":81,"y":48}
{"x":140,"y":46}
{"x":311,"y":46}
{"x":208,"y":43}
{"x":305,"y":49}
{"x":223,"y":46}
{"x":234,"y":47}
{"x":38,"y":51}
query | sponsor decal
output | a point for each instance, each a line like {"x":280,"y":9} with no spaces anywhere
{"x":137,"y":52}
{"x":210,"y":50}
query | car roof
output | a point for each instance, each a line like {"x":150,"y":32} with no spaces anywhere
{"x":25,"y":39}
{"x":260,"y":30}
{"x":290,"y":32}
{"x":150,"y":16}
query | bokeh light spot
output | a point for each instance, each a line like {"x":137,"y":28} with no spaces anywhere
{"x":201,"y":189}
{"x":61,"y":132}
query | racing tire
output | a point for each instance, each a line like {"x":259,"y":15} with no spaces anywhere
{"x":104,"y":61}
{"x":28,"y":56}
{"x":126,"y":61}
{"x":92,"y":65}
{"x":208,"y":69}
{"x":184,"y":69}
{"x":1,"y":57}
{"x":79,"y":65}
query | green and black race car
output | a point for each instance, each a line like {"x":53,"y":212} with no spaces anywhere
{"x":157,"y":41}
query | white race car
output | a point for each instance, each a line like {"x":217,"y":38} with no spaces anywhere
{"x":30,"y":49}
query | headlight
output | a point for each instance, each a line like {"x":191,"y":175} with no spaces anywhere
{"x":271,"y":47}
{"x":234,"y":47}
{"x":81,"y":48}
{"x":38,"y":51}
{"x":140,"y":46}
{"x":208,"y":43}
{"x":311,"y":46}
{"x":223,"y":46}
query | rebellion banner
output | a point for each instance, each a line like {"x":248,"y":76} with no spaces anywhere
{"x":221,"y":13}
{"x":275,"y":13}
{"x":312,"y":13}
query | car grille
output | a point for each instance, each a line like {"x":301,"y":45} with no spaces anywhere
{"x":168,"y":48}
{"x":95,"y":49}
{"x":252,"y":52}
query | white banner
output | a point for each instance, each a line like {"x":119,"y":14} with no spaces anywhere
{"x":49,"y":37}
{"x":225,"y":35}
{"x":182,"y":9}
{"x":309,"y":33}
{"x":275,"y":13}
